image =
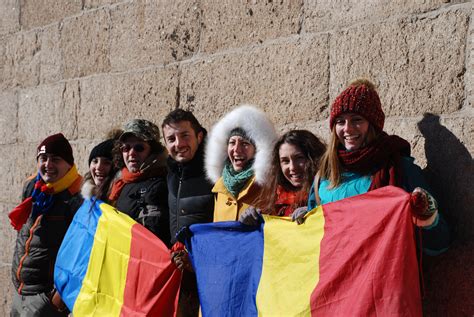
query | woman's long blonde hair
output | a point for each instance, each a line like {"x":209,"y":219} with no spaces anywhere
{"x":330,"y":167}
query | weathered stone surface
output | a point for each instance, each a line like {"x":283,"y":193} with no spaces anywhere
{"x":110,"y":101}
{"x":28,"y":58}
{"x":51,"y":60}
{"x":8,"y":117}
{"x":7,"y":234}
{"x":48,"y":109}
{"x":42,"y":12}
{"x":418,"y":65}
{"x":407,"y":128}
{"x":18,"y":163}
{"x":19,"y":60}
{"x":90,"y":4}
{"x":9,"y":16}
{"x":153,"y":32}
{"x":82,"y":149}
{"x":236,"y":23}
{"x":288,"y":80}
{"x":6,"y":291}
{"x":470,"y":64}
{"x":85,"y":44}
{"x":327,"y":15}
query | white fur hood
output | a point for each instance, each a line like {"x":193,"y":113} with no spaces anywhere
{"x":88,"y":189}
{"x":257,"y":126}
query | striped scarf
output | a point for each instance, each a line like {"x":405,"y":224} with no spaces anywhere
{"x":42,"y":197}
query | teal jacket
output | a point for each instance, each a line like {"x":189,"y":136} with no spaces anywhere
{"x":436,"y":237}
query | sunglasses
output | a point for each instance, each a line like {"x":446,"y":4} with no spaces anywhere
{"x":136,"y":147}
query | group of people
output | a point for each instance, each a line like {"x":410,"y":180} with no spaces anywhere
{"x":239,"y":171}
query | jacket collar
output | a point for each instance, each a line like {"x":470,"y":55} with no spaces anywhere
{"x":195,"y":167}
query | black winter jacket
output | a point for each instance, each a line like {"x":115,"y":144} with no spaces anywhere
{"x":190,"y":198}
{"x":146,"y":202}
{"x":38,"y":242}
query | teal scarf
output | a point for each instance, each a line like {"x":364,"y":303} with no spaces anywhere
{"x":235,"y":181}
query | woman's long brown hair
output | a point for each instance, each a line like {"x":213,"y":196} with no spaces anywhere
{"x":311,"y":147}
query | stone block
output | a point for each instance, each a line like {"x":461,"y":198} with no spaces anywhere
{"x":85,"y":44}
{"x":9,"y":16}
{"x":6,"y":291}
{"x":19,"y":60}
{"x":470,"y":64}
{"x":91,"y":4}
{"x":18,"y":163}
{"x":36,"y":13}
{"x":289,"y":80}
{"x":407,"y":129}
{"x":110,"y":101}
{"x":148,"y":33}
{"x":51,"y":60}
{"x":334,"y":14}
{"x":48,"y":109}
{"x":238,"y":23}
{"x":82,"y":149}
{"x":8,"y":117}
{"x":7,"y":234}
{"x":418,"y":65}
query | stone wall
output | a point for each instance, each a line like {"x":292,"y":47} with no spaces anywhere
{"x":84,"y":66}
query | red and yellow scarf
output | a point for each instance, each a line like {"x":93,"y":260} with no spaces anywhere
{"x":42,"y":197}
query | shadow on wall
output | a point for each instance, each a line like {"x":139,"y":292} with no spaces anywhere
{"x":449,"y":278}
{"x":449,"y":171}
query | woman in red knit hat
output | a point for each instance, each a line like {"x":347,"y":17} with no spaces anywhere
{"x":361,"y":157}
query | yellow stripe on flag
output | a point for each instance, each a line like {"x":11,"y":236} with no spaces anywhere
{"x":285,"y":289}
{"x":103,"y":286}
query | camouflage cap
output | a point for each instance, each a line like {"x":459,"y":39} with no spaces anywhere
{"x":141,"y":128}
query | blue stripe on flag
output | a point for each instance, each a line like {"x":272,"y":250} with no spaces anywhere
{"x":222,"y":261}
{"x":73,"y":256}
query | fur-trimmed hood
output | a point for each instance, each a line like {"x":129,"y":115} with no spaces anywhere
{"x":257,"y":126}
{"x":88,"y":189}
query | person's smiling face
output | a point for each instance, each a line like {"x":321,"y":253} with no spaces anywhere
{"x":352,"y":130}
{"x":292,"y":164}
{"x":134,"y":152}
{"x":240,"y":151}
{"x":52,"y":167}
{"x":100,"y":169}
{"x":181,"y":141}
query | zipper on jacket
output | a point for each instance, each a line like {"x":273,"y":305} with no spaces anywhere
{"x":27,"y":252}
{"x":178,"y":207}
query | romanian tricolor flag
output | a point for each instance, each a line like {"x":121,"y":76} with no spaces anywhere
{"x":354,"y":257}
{"x":109,"y":265}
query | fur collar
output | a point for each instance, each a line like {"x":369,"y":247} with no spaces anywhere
{"x":88,"y":189}
{"x":257,"y":126}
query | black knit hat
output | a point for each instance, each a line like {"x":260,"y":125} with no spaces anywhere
{"x":241,"y":132}
{"x":58,"y":145}
{"x":103,"y":149}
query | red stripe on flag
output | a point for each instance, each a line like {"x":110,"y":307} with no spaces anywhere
{"x":368,"y":262}
{"x":153,"y":281}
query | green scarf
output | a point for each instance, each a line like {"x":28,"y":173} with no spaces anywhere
{"x":235,"y":181}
